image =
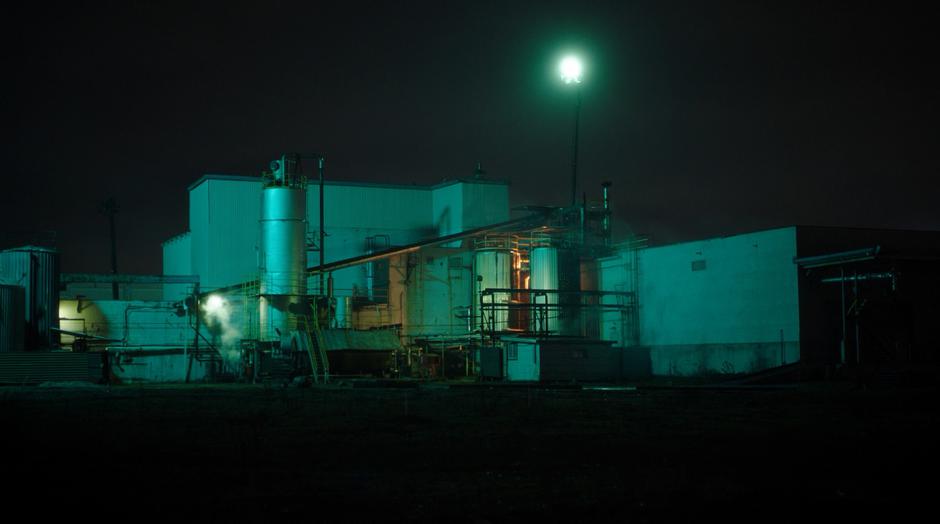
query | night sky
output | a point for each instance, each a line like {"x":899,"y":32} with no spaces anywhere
{"x":710,"y":118}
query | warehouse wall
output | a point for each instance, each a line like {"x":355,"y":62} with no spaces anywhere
{"x":722,"y":305}
{"x":224,"y":213}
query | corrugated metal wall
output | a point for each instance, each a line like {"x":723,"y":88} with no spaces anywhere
{"x":51,"y":366}
{"x":12,"y":319}
{"x":36,"y":269}
{"x":177,"y":260}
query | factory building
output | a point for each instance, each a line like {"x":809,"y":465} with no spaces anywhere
{"x":287,"y":275}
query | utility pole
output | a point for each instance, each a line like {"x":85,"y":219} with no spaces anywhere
{"x":110,"y":208}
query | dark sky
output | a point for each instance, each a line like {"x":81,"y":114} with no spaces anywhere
{"x":710,"y":117}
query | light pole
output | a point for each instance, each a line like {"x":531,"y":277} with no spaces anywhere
{"x":571,"y":69}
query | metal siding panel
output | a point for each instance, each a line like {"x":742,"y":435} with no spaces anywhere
{"x":37,"y":367}
{"x":36,"y":269}
{"x":484,"y":204}
{"x":234,"y":212}
{"x":367,"y":207}
{"x":447,"y":210}
{"x":12,"y":318}
{"x":199,"y":231}
{"x":177,"y":260}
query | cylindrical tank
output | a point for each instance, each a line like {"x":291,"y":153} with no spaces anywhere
{"x":492,"y":268}
{"x":590,"y":310}
{"x":36,"y":270}
{"x":12,"y":318}
{"x":555,"y":269}
{"x":283,"y":259}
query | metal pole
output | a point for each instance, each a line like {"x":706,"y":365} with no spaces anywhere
{"x":842,"y":348}
{"x":322,"y":234}
{"x":858,"y":350}
{"x":574,"y":155}
{"x":110,"y":208}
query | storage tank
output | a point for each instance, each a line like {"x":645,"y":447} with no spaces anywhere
{"x":590,"y":310}
{"x":555,"y":269}
{"x":12,"y":317}
{"x":492,"y":268}
{"x":36,"y":270}
{"x":283,"y":251}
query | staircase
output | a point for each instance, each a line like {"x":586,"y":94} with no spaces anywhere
{"x":315,"y":348}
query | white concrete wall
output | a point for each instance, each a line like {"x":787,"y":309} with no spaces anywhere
{"x":131,"y":321}
{"x":145,"y":332}
{"x":737,"y":314}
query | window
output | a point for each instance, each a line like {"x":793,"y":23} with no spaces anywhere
{"x":512,"y":351}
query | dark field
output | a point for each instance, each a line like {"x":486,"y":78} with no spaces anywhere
{"x":472,"y":454}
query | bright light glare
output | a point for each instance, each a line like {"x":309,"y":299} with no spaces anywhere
{"x":214,"y":303}
{"x":570,"y":69}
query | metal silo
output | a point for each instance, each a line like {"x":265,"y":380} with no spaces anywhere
{"x":555,"y":269}
{"x":590,"y":310}
{"x":36,"y":270}
{"x":492,"y":268}
{"x":283,"y":250}
{"x":12,"y":319}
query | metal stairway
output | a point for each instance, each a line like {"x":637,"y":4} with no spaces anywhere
{"x":315,"y":348}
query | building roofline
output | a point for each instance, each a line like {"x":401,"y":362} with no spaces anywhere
{"x":213,"y":176}
{"x":797,"y":228}
{"x":445,"y":183}
{"x":174,"y":238}
{"x":29,"y":248}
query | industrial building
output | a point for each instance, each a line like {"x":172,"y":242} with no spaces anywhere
{"x":288,"y":275}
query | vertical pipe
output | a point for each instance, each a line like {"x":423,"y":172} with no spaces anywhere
{"x":114,"y":270}
{"x":606,"y":222}
{"x":583,"y":218}
{"x":574,"y":155}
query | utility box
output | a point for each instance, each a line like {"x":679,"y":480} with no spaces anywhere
{"x":560,"y":359}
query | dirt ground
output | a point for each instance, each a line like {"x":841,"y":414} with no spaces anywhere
{"x":472,"y":453}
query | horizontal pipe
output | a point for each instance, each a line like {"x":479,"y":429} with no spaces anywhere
{"x":863,"y":276}
{"x":124,"y":278}
{"x":591,"y":292}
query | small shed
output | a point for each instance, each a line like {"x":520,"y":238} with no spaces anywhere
{"x":559,"y":358}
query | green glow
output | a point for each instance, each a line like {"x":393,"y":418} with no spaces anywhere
{"x":570,"y":69}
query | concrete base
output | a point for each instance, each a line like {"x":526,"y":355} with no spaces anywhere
{"x":721,"y":359}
